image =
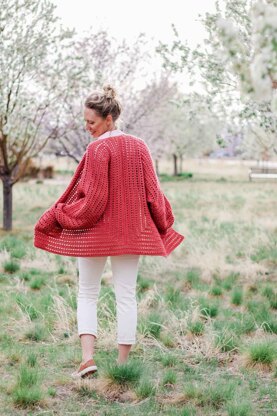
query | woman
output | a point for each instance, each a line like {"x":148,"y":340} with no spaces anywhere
{"x":113,"y":206}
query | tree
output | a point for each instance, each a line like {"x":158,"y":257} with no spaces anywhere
{"x":192,"y":129}
{"x":236,"y":66}
{"x":32,"y":65}
{"x":174,"y":124}
{"x":148,"y":116}
{"x":102,"y":59}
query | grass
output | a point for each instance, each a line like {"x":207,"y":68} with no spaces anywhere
{"x":169,"y":360}
{"x":27,"y":307}
{"x":216,"y":291}
{"x":37,"y":282}
{"x":127,"y":373}
{"x":180,"y":177}
{"x":213,"y":395}
{"x":239,"y":409}
{"x":208,"y":307}
{"x":152,"y":324}
{"x":193,"y":277}
{"x":169,"y":378}
{"x":36,"y":333}
{"x":14,"y":245}
{"x":196,"y":328}
{"x":143,"y":284}
{"x":206,"y":314}
{"x":11,"y":266}
{"x":226,"y":341}
{"x":27,"y":390}
{"x":237,"y":296}
{"x":230,"y":280}
{"x":263,"y":352}
{"x":146,"y":388}
{"x":267,"y":252}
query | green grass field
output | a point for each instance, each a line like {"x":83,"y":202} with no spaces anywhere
{"x":206,"y":335}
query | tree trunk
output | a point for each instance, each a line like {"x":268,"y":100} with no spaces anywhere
{"x":7,"y":203}
{"x":175,"y":160}
{"x":181,"y":164}
{"x":157,"y":166}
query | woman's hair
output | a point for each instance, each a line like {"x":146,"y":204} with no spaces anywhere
{"x":104,"y":102}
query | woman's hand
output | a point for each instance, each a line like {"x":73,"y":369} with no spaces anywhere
{"x":48,"y":222}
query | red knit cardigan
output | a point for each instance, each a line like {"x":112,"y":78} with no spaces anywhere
{"x":113,"y":205}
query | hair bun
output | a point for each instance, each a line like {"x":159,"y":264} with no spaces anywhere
{"x":109,"y":91}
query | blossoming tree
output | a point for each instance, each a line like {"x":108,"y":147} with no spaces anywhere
{"x":237,"y":69}
{"x":32,"y":66}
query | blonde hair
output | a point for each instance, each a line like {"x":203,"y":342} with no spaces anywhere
{"x":104,"y":102}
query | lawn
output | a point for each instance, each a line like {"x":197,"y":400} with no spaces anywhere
{"x":206,"y":335}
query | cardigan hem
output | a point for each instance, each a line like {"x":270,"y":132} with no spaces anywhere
{"x":47,"y":246}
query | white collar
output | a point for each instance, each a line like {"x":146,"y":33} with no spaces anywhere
{"x":110,"y":133}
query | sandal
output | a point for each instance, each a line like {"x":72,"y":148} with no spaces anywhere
{"x":85,"y":369}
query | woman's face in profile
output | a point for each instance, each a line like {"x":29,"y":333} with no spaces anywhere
{"x":95,"y":124}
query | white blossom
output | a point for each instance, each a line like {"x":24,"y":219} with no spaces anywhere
{"x":256,"y":68}
{"x":261,"y":80}
{"x":227,"y":27}
{"x":274,"y":102}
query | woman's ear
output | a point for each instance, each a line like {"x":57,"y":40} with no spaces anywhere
{"x":109,"y":119}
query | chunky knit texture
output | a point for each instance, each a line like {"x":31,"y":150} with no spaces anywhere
{"x":113,"y":205}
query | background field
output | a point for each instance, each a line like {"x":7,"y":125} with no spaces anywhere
{"x":206,"y":339}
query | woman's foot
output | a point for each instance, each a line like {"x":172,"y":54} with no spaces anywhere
{"x":85,"y":369}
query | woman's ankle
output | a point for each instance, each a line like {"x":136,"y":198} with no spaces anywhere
{"x":87,"y":358}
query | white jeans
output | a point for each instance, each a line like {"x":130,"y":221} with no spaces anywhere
{"x":124,"y":276}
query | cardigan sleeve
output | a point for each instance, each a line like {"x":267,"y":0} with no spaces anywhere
{"x":48,"y":222}
{"x":91,"y":194}
{"x":157,"y":202}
